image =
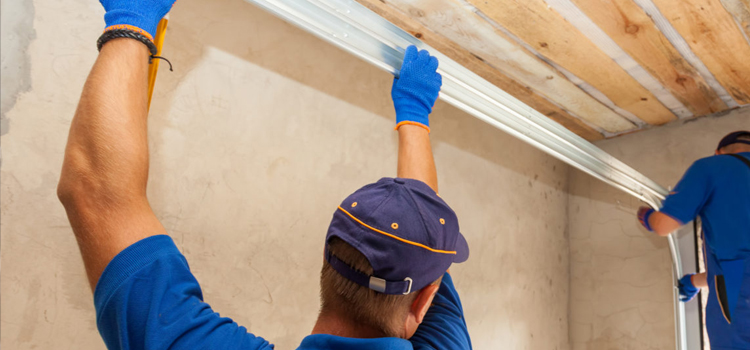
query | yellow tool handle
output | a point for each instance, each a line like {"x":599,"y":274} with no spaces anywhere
{"x":154,"y":67}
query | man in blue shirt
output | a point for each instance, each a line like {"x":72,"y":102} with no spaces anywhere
{"x":717,"y":189}
{"x":384,"y":283}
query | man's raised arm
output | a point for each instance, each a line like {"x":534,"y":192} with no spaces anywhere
{"x":104,"y":175}
{"x":414,"y":93}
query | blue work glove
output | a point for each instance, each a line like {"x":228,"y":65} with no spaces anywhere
{"x":142,"y":16}
{"x":686,"y":287}
{"x":416,"y":88}
{"x":643,"y":214}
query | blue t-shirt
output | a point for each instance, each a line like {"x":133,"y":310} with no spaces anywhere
{"x":147,"y":298}
{"x":717,"y":189}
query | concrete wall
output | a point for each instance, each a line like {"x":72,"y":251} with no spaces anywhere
{"x":255,"y":138}
{"x":620,"y":292}
{"x":17,"y":31}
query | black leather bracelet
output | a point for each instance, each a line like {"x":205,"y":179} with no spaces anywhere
{"x":125,"y":33}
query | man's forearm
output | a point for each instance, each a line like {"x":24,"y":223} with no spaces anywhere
{"x":663,"y":224}
{"x":108,"y":134}
{"x":415,"y":159}
{"x":700,"y":280}
{"x":104,"y":175}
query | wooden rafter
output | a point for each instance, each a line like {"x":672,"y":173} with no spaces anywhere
{"x":740,"y":10}
{"x":634,"y":31}
{"x":547,"y":32}
{"x":716,"y":39}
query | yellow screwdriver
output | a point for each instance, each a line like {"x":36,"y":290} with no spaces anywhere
{"x":154,"y":67}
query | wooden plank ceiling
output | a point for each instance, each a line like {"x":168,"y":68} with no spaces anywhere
{"x":600,"y":68}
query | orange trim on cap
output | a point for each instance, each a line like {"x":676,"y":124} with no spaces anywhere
{"x":409,"y":122}
{"x":133,"y":28}
{"x":396,"y":237}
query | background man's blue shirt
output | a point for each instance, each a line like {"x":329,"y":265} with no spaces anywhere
{"x":717,"y":189}
{"x":147,"y":298}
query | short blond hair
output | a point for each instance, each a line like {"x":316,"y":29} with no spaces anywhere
{"x":363,"y":305}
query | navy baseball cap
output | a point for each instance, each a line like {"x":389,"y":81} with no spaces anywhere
{"x":733,"y":138}
{"x":406,"y":231}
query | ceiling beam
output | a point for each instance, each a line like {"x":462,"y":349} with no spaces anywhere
{"x":716,"y":39}
{"x":634,"y":31}
{"x":547,"y":32}
{"x":740,"y":10}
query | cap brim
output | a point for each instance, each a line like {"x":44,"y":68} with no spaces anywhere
{"x":462,"y":249}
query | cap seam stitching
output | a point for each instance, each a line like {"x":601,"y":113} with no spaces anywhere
{"x":390,"y":235}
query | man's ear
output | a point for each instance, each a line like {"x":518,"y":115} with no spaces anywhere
{"x":422,"y":303}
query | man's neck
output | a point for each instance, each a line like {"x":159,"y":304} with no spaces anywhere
{"x":331,"y":322}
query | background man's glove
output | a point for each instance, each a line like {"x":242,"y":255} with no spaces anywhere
{"x":141,"y":16}
{"x":687,"y":289}
{"x":415,"y":90}
{"x":643,"y":214}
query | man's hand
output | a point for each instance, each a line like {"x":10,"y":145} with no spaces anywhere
{"x":416,"y":88}
{"x":142,"y":16}
{"x":687,"y":289}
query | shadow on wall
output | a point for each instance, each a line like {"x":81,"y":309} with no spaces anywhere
{"x":243,"y":30}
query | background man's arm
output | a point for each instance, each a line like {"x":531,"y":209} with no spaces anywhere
{"x":663,"y":224}
{"x":700,"y":280}
{"x":682,"y":205}
{"x":657,"y":222}
{"x":104,"y":175}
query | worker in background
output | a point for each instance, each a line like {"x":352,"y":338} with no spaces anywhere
{"x":384,"y":282}
{"x":717,"y":189}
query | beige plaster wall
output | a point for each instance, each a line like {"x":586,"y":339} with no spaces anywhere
{"x":620,"y":286}
{"x":255,"y":138}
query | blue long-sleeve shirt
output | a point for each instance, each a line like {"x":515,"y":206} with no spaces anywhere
{"x":147,"y":298}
